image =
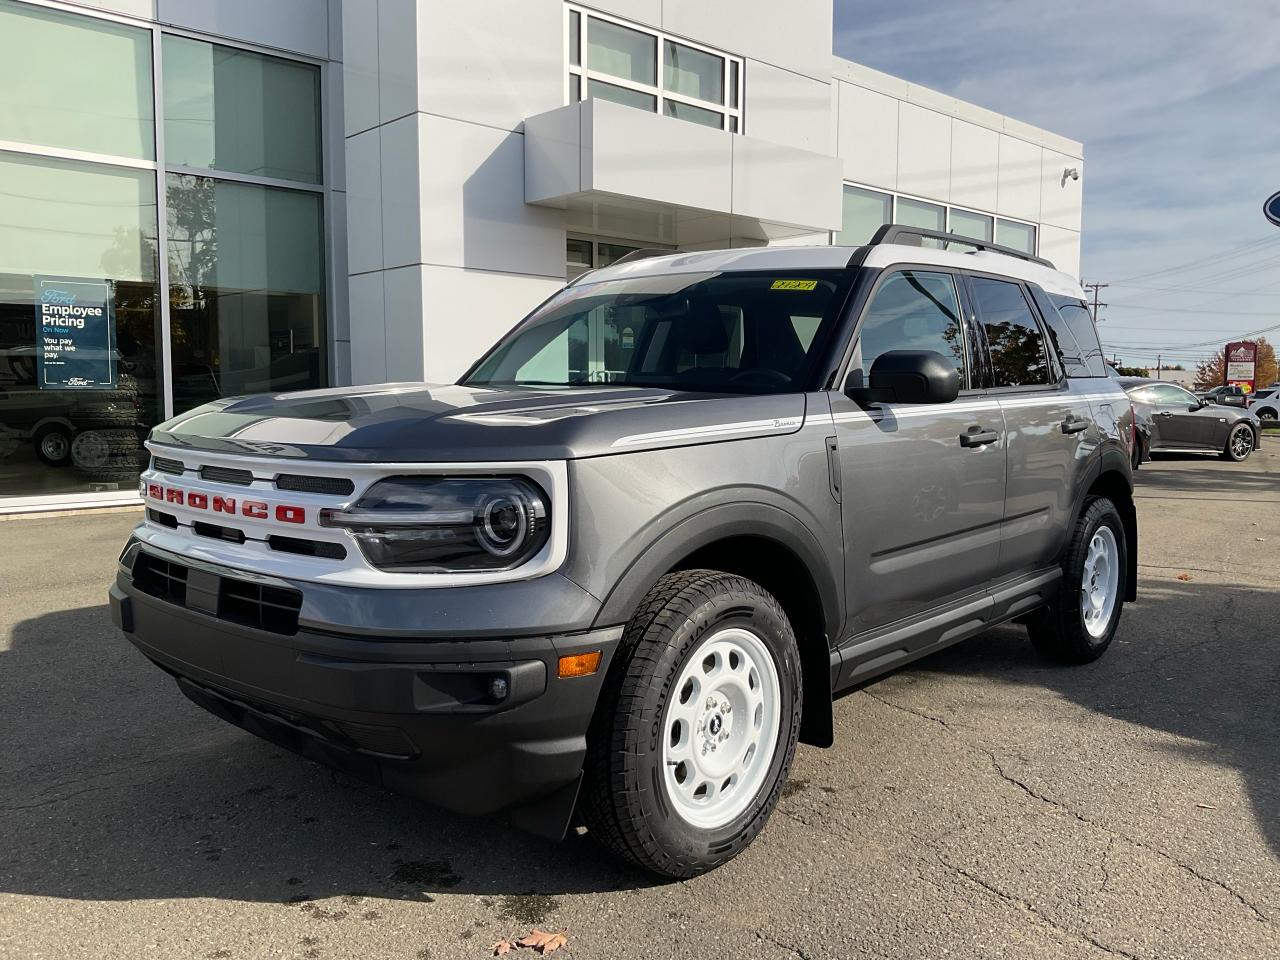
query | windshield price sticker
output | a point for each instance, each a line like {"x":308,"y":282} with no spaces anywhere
{"x":75,"y":334}
{"x":794,"y":285}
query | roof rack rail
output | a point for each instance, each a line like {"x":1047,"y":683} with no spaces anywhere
{"x":896,"y":232}
{"x":643,"y":253}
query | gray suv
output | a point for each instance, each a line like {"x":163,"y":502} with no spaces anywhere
{"x":618,"y":571}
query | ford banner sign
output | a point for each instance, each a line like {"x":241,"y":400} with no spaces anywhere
{"x":75,"y":334}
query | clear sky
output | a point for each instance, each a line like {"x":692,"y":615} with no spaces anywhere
{"x":1178,"y":106}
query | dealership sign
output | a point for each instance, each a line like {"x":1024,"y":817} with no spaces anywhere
{"x":1242,"y":359}
{"x":75,"y":334}
{"x":1271,"y":209}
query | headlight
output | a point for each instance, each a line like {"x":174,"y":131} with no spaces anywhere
{"x":447,"y":524}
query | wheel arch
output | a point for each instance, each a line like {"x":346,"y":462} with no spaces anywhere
{"x":1114,"y":482}
{"x":772,"y":548}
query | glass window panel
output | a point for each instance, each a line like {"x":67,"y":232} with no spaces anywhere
{"x":75,"y":82}
{"x":575,"y":88}
{"x":1013,"y":336}
{"x":733,"y":84}
{"x":928,"y":216}
{"x":912,"y":310}
{"x":733,"y":124}
{"x":685,"y":111}
{"x":74,"y":420}
{"x":1080,"y":321}
{"x":865,"y":211}
{"x":246,"y":283}
{"x":577,"y":257}
{"x":971,"y":224}
{"x":575,"y":37}
{"x":612,"y":252}
{"x":1019,"y":236}
{"x":693,"y":72}
{"x":632,"y":98}
{"x":230,"y":109}
{"x":621,"y":52}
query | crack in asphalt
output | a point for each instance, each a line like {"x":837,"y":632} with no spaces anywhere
{"x":1007,"y":897}
{"x":1066,"y":808}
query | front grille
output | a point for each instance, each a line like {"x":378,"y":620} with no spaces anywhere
{"x":160,"y":578}
{"x":307,"y":548}
{"x":216,"y":532}
{"x":335,"y":486}
{"x":257,"y":605}
{"x":165,"y":465}
{"x":226,"y":475}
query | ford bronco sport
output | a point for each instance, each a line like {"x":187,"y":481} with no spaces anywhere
{"x":621,"y":567}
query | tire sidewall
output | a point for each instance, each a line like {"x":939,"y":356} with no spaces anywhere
{"x":690,"y":846}
{"x":1100,"y":513}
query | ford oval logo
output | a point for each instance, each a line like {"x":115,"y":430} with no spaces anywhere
{"x":1271,"y":209}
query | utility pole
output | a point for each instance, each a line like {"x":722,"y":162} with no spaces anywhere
{"x":1158,"y":377}
{"x":1095,"y":287}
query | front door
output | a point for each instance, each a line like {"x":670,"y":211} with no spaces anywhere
{"x":921,"y":506}
{"x":1179,"y":418}
{"x":1048,"y":442}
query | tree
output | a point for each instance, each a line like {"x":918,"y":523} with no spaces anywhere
{"x":1213,"y":371}
{"x":1133,"y":371}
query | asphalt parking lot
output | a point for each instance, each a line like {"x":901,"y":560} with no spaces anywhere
{"x":979,"y":804}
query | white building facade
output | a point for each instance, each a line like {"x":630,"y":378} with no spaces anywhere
{"x":273,"y":196}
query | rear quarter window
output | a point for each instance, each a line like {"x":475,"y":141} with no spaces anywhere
{"x":1075,"y":316}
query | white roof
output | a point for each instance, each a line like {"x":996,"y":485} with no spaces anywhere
{"x":835,"y":257}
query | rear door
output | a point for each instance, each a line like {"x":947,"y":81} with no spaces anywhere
{"x":923,"y":484}
{"x":1046,"y":425}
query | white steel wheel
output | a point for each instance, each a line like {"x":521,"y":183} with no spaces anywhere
{"x":721,"y":728}
{"x":1100,"y":582}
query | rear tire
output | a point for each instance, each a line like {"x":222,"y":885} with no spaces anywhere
{"x":53,"y":445}
{"x":1078,"y":624}
{"x":697,"y":725}
{"x":1239,"y":443}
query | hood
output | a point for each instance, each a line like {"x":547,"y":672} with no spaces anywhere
{"x":423,"y":424}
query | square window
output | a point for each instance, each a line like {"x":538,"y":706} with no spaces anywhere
{"x":693,"y":73}
{"x":622,"y":52}
{"x":685,"y":111}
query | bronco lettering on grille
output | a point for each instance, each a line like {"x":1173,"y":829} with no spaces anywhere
{"x":254,"y":509}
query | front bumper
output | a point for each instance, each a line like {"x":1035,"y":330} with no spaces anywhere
{"x":414,"y":715}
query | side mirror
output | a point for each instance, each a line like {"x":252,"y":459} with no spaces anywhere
{"x":1198,"y":405}
{"x":908,"y":376}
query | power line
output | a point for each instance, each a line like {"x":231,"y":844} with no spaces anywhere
{"x":1191,"y":265}
{"x":1210,"y":312}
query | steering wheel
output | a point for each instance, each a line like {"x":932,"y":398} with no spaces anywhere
{"x":761,"y":376}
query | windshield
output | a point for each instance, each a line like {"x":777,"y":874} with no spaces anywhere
{"x":739,"y":332}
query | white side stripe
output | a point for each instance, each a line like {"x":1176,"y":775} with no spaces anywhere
{"x":779,"y":424}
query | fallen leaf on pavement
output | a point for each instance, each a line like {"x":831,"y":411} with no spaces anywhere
{"x":1206,"y":806}
{"x":504,"y":946}
{"x":544,"y":942}
{"x":1184,"y":576}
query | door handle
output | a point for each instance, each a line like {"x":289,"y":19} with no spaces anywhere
{"x":1074,"y":424}
{"x":977,"y":437}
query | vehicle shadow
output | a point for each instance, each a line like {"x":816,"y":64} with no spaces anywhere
{"x":117,"y":787}
{"x":1201,"y":662}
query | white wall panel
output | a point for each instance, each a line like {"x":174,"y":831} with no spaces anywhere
{"x":398,"y":56}
{"x":467,"y":311}
{"x":778,"y":184}
{"x":360,"y":66}
{"x":1062,"y":247}
{"x":1018,"y":193}
{"x":402,"y":219}
{"x":301,"y":26}
{"x":336,"y":277}
{"x":1060,"y":197}
{"x":795,"y":36}
{"x":368,"y":329}
{"x":975,"y":163}
{"x":491,"y":61}
{"x":867,"y":142}
{"x":335,"y":140}
{"x":788,"y":108}
{"x":924,"y":152}
{"x":403,"y":301}
{"x":364,"y":201}
{"x":473,"y":208}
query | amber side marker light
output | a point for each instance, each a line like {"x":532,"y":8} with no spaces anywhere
{"x":579,"y":664}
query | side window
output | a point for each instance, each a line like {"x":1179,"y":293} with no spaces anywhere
{"x":1166,"y":394}
{"x":1080,"y":322}
{"x":1017,"y":347}
{"x":1064,"y":341}
{"x":912,"y":310}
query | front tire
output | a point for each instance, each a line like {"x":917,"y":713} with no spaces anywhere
{"x":1078,"y":624}
{"x":697,"y":725}
{"x":1239,"y":443}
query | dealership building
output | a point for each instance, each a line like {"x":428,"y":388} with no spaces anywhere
{"x":205,"y":198}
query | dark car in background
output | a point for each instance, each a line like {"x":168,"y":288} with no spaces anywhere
{"x":1226,"y":394}
{"x":1171,"y":419}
